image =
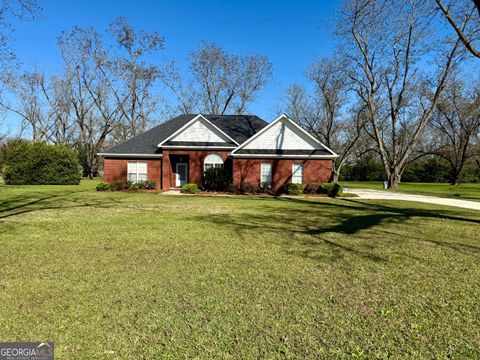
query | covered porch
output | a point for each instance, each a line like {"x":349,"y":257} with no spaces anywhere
{"x":180,"y":167}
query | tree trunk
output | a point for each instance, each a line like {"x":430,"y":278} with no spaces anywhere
{"x":455,"y":178}
{"x":336,"y":170}
{"x":336,"y":175}
{"x":393,"y":179}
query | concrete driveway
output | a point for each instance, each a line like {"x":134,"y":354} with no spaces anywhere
{"x":387,"y":195}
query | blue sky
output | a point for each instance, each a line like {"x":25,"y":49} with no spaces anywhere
{"x":290,"y":33}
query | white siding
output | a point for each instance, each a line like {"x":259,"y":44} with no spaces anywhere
{"x":201,"y":131}
{"x":282,"y":135}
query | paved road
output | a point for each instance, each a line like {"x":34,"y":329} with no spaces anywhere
{"x":387,"y":195}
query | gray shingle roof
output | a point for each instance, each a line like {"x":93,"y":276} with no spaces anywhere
{"x":238,"y":127}
{"x":199,"y":143}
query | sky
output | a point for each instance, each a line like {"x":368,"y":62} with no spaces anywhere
{"x":291,"y":33}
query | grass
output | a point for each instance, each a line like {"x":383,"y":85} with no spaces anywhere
{"x":141,"y":275}
{"x":463,"y":191}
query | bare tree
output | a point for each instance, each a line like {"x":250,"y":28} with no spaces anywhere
{"x":109,"y":88}
{"x":326,"y":113}
{"x":12,"y":9}
{"x":221,"y":83}
{"x":456,"y":124}
{"x":88,"y":94}
{"x":129,"y":77}
{"x":391,"y":39}
{"x":455,"y":11}
{"x":26,"y":10}
{"x":29,"y":102}
{"x":183,"y":89}
{"x":62,"y":125}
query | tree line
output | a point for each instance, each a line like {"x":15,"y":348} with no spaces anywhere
{"x":398,"y":86}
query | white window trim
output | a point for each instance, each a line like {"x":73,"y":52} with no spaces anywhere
{"x":269,"y":173}
{"x":217,"y":163}
{"x":137,"y":173}
{"x":299,"y":166}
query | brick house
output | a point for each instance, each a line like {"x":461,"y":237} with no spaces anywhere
{"x":179,"y":151}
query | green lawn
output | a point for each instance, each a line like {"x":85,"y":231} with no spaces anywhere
{"x":463,"y":191}
{"x":142,"y":275}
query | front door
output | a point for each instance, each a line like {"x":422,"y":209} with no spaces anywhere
{"x":181,"y":174}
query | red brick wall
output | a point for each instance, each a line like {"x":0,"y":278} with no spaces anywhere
{"x":315,"y":171}
{"x":195,"y":165}
{"x":244,"y":170}
{"x":116,"y":169}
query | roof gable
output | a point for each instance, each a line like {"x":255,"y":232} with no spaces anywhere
{"x":283,"y":137}
{"x":199,"y":129}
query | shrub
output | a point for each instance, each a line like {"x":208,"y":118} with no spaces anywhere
{"x":190,"y":189}
{"x":120,"y":185}
{"x":336,"y":190}
{"x":264,"y":188}
{"x":310,"y":189}
{"x":39,"y":163}
{"x":294,"y":189}
{"x":216,"y":179}
{"x":103,"y":187}
{"x":148,"y":185}
{"x":325,"y":188}
{"x":247,"y":188}
{"x":331,"y":189}
{"x":135,"y":187}
{"x":230,"y":188}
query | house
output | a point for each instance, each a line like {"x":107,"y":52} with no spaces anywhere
{"x":180,"y":150}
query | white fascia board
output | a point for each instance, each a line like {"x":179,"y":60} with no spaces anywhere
{"x":284,"y":156}
{"x":186,"y":147}
{"x":131,"y":155}
{"x":195,"y":118}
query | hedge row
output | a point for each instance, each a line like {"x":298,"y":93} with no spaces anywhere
{"x":38,"y":163}
{"x":328,"y":189}
{"x":127,"y":185}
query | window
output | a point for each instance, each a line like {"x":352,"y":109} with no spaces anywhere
{"x":266,"y":173}
{"x":297,"y":173}
{"x":213,"y":161}
{"x":137,"y":171}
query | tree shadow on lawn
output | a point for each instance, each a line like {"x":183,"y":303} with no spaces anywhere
{"x":62,"y":200}
{"x":322,"y":221}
